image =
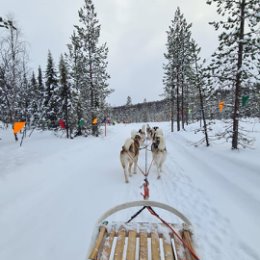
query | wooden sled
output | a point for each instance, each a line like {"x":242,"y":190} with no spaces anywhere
{"x":142,"y":240}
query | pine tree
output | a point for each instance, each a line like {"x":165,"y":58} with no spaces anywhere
{"x":128,"y":101}
{"x":75,"y":61}
{"x":236,"y":62}
{"x":197,"y":78}
{"x":95,"y":87}
{"x":178,"y":63}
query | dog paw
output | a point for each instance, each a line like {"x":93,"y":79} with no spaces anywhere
{"x":126,"y":181}
{"x":159,"y":177}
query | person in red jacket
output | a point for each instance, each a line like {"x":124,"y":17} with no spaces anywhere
{"x":62,"y":124}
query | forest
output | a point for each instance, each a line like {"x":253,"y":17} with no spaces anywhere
{"x":227,"y":86}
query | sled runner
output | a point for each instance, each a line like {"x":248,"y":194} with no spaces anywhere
{"x":143,"y":240}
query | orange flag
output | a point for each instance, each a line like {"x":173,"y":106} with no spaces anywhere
{"x":18,"y":126}
{"x":221,"y":105}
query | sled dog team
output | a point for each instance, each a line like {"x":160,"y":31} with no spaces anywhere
{"x":130,"y":150}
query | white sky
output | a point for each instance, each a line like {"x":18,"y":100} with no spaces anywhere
{"x":135,"y":32}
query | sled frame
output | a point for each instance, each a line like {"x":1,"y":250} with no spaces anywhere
{"x":141,"y":240}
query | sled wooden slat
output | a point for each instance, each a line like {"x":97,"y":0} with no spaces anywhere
{"x":155,"y":244}
{"x":143,"y":251}
{"x":141,"y":241}
{"x":102,"y":231}
{"x":186,"y":235}
{"x":108,"y":245}
{"x":179,"y":247}
{"x":131,"y":246}
{"x":120,"y":244}
{"x":167,"y":246}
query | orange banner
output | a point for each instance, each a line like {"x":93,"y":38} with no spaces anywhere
{"x":94,"y":121}
{"x":18,"y":126}
{"x":221,"y":106}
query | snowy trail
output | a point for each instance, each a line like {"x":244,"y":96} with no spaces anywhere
{"x":209,"y":206}
{"x":52,"y":196}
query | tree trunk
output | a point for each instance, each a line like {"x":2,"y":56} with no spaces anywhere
{"x":66,"y":112}
{"x":182,"y":100}
{"x":178,"y":100}
{"x":203,"y":116}
{"x":238,"y":78}
{"x":172,"y":109}
{"x":202,"y":108}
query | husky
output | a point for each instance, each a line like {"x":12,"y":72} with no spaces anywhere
{"x":159,"y":152}
{"x":142,"y":133}
{"x":129,"y":155}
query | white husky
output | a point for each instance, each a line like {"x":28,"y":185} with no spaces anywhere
{"x":159,"y":152}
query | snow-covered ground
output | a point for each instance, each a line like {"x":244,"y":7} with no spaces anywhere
{"x":53,"y":190}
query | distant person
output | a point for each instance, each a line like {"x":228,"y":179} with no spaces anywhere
{"x":62,"y":124}
{"x":80,"y":127}
{"x":95,"y":126}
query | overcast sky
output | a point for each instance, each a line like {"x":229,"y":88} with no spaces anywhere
{"x":134,"y":30}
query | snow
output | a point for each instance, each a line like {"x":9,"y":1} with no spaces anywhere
{"x":53,"y":190}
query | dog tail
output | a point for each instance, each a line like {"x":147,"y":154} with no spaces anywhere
{"x":127,"y":144}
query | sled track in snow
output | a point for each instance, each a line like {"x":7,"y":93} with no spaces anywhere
{"x":196,"y":201}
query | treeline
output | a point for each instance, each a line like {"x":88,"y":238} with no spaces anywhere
{"x":227,"y":86}
{"x":75,"y":88}
{"x":157,"y":111}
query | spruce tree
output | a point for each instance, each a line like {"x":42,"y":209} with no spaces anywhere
{"x":34,"y":104}
{"x":178,"y":63}
{"x":75,"y":62}
{"x":128,"y":101}
{"x":50,"y":94}
{"x":40,"y":83}
{"x":94,"y":89}
{"x":65,"y":100}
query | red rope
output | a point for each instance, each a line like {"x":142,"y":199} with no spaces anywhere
{"x":170,"y":227}
{"x":146,"y":193}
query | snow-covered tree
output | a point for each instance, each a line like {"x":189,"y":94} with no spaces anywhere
{"x":236,"y":63}
{"x":40,"y":82}
{"x":178,"y":64}
{"x":93,"y":62}
{"x":50,"y":105}
{"x":128,"y":101}
{"x":197,"y":78}
{"x":35,"y":99}
{"x":65,"y":100}
{"x":75,"y":62}
{"x":12,"y":53}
